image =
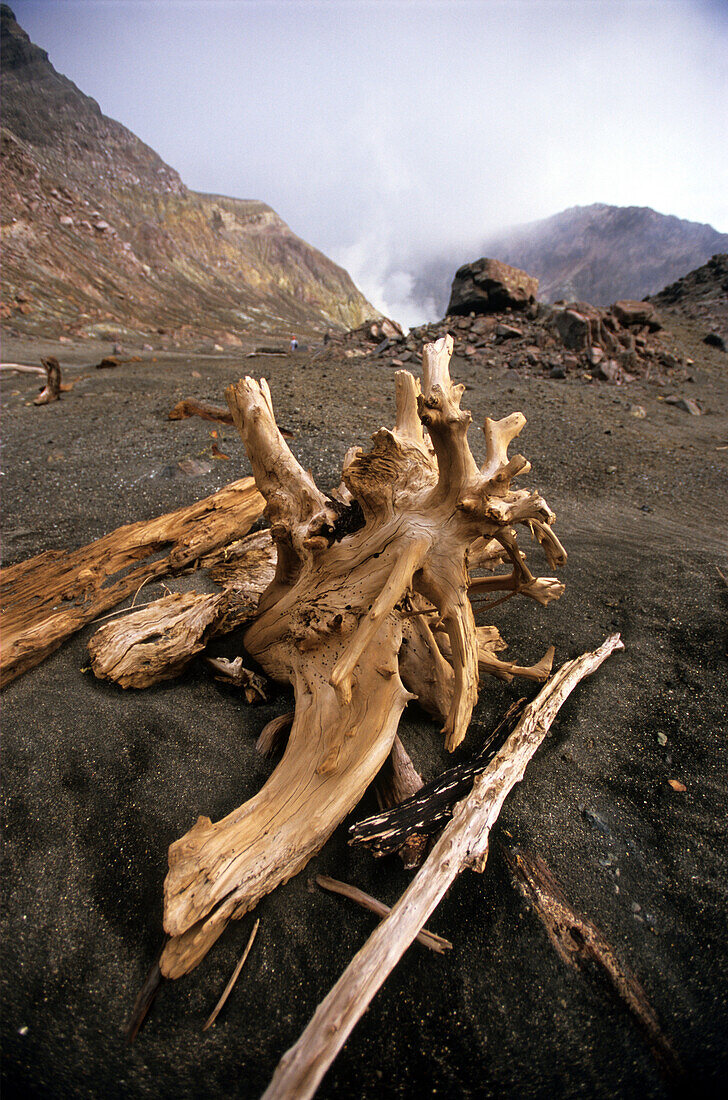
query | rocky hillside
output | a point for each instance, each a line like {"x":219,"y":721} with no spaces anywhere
{"x":101,"y":237}
{"x":701,"y":296}
{"x":594,"y":253}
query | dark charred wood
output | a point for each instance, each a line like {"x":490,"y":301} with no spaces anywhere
{"x":416,"y":821}
{"x":145,"y":998}
{"x":580,"y":944}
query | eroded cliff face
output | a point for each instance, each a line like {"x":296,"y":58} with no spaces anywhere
{"x":101,"y":237}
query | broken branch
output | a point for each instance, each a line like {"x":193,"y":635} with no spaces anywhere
{"x":464,"y":843}
{"x":353,"y":893}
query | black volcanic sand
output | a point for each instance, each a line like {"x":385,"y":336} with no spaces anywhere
{"x":98,"y":781}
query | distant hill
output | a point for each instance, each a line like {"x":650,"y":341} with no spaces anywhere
{"x":594,"y":253}
{"x":101,"y":237}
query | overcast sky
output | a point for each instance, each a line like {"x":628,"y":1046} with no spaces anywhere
{"x":383,"y":131}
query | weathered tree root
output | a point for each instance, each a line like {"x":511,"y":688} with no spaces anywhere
{"x":349,"y":573}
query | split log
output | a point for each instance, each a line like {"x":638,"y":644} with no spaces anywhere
{"x":48,"y":598}
{"x":189,"y":407}
{"x":331,"y":624}
{"x":157,"y":642}
{"x":464,"y":843}
{"x":52,"y":390}
{"x":579,"y":943}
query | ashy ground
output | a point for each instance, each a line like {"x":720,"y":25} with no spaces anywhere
{"x":98,"y":782}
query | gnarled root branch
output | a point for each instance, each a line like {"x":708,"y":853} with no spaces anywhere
{"x":347,"y":621}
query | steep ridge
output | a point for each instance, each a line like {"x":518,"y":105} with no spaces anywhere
{"x":102,"y":238}
{"x":594,"y":253}
{"x":701,"y":296}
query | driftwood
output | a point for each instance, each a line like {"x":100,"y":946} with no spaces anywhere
{"x":400,"y":528}
{"x":48,"y":598}
{"x":21,"y":368}
{"x":189,"y":407}
{"x":580,"y":944}
{"x":414,"y":819}
{"x":464,"y":843}
{"x":353,"y":893}
{"x":157,"y":642}
{"x":52,"y":390}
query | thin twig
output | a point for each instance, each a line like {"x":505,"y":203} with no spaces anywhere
{"x":353,"y":893}
{"x":235,"y":975}
{"x":120,"y":611}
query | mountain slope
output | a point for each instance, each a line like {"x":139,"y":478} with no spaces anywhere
{"x":101,"y":237}
{"x":594,"y":253}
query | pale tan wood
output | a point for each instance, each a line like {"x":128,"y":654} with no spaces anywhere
{"x":233,"y":978}
{"x":147,"y":646}
{"x":353,"y":893}
{"x":331,"y":624}
{"x":463,"y":843}
{"x":49,"y":597}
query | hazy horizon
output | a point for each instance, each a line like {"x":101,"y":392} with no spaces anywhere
{"x":384,"y":133}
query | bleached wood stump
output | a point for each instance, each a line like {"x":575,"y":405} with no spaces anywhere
{"x":387,"y":556}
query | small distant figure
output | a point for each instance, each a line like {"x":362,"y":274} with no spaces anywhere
{"x":294,"y":344}
{"x":117,"y":349}
{"x":327,"y":338}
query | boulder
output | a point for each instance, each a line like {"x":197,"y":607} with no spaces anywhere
{"x":575,"y":329}
{"x":488,"y":286}
{"x":635,"y":314}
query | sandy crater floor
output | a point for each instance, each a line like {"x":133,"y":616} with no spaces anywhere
{"x":97,"y":782}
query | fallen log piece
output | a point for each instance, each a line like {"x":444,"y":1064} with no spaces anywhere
{"x":48,"y":598}
{"x":353,"y":893}
{"x":464,"y":843}
{"x":331,"y":624}
{"x":189,"y":407}
{"x":580,"y":943}
{"x":21,"y":368}
{"x":157,"y":642}
{"x":428,"y":810}
{"x":144,"y":647}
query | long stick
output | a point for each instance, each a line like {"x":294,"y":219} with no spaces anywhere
{"x":463,"y":843}
{"x":353,"y":893}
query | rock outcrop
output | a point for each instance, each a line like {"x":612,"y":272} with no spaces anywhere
{"x":101,"y":237}
{"x":594,"y":253}
{"x":701,"y":296}
{"x":488,"y":286}
{"x":567,"y":339}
